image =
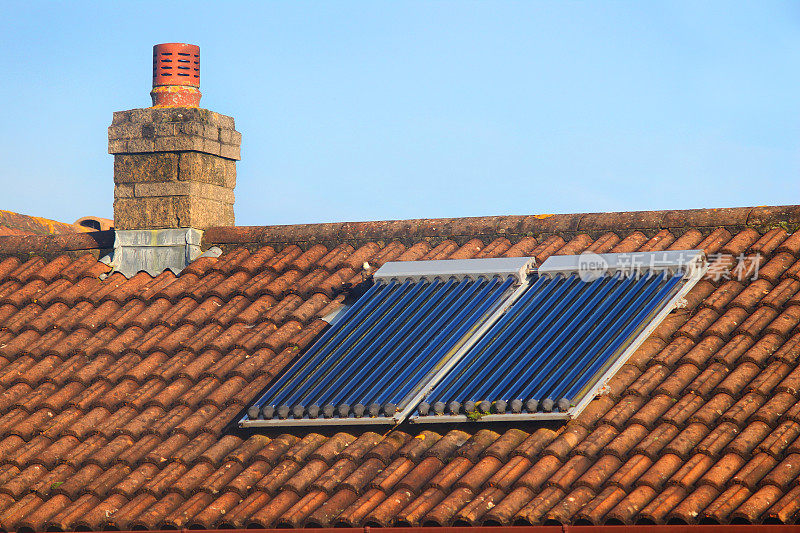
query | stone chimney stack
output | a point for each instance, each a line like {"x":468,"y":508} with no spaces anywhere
{"x":174,"y":163}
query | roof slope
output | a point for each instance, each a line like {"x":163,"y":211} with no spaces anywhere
{"x":16,"y":224}
{"x":117,"y":397}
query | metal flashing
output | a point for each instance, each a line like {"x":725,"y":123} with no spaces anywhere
{"x":154,"y":251}
{"x":457,"y":268}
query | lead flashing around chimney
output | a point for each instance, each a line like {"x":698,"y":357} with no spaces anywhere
{"x":154,"y":251}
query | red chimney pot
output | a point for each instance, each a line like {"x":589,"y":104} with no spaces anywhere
{"x":176,"y":75}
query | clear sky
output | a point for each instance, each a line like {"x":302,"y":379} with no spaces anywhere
{"x":390,"y":110}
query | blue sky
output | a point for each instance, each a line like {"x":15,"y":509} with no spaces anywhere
{"x":392,"y":110}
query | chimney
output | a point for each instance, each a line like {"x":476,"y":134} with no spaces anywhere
{"x":174,"y":163}
{"x":174,"y":169}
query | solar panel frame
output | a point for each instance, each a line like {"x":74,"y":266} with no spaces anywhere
{"x":399,"y":283}
{"x":485,"y":294}
{"x":689,"y":264}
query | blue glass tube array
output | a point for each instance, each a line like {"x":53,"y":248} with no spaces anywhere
{"x":552,"y":345}
{"x":384,"y":348}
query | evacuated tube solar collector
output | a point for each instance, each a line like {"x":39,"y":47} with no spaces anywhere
{"x":374,"y":363}
{"x":487,"y":339}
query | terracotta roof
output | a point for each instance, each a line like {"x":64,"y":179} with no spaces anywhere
{"x":119,"y":397}
{"x":16,"y":224}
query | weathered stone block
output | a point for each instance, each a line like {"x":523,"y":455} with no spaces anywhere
{"x":182,"y":114}
{"x":136,"y":168}
{"x":172,"y":168}
{"x":223,"y":121}
{"x":211,"y":147}
{"x":123,"y":190}
{"x":140,"y":146}
{"x":173,"y":129}
{"x":120,"y":117}
{"x":178,"y":143}
{"x":125,"y":130}
{"x":211,"y":131}
{"x":207,"y":168}
{"x":157,"y":212}
{"x":184,"y":188}
{"x":117,"y":146}
{"x":145,"y":213}
{"x":229,"y":151}
{"x":173,"y":114}
{"x":190,"y":128}
{"x":166,"y":129}
{"x":204,"y":213}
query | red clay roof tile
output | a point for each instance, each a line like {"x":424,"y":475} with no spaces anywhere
{"x":331,"y":509}
{"x":673,"y":351}
{"x":594,"y":511}
{"x":626,"y":440}
{"x":358,"y":511}
{"x":458,"y":470}
{"x":655,"y":440}
{"x":537,"y":476}
{"x":542,"y":437}
{"x":302,"y":509}
{"x":564,"y":443}
{"x":511,"y":471}
{"x":741,"y":410}
{"x":630,"y":506}
{"x":499,"y":513}
{"x":522,"y":248}
{"x":67,"y":518}
{"x":412,"y":513}
{"x":247,"y":479}
{"x":791,"y":245}
{"x":596,"y":441}
{"x":256,"y":260}
{"x":186,"y":480}
{"x":731,"y":293}
{"x":535,"y":511}
{"x":570,"y":505}
{"x":140,"y":377}
{"x":494,"y":249}
{"x":649,"y":380}
{"x":209,"y":517}
{"x":707,"y":382}
{"x":783,"y":292}
{"x":623,"y":410}
{"x":599,"y":472}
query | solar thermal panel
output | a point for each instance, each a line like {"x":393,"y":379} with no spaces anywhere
{"x":372,"y":362}
{"x":485,"y":339}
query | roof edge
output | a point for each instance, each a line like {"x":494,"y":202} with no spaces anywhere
{"x":560,"y":528}
{"x":414,"y":230}
{"x":24,"y":245}
{"x":761,"y":217}
{"x":13,"y":224}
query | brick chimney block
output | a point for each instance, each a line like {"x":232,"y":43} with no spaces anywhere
{"x":174,"y":167}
